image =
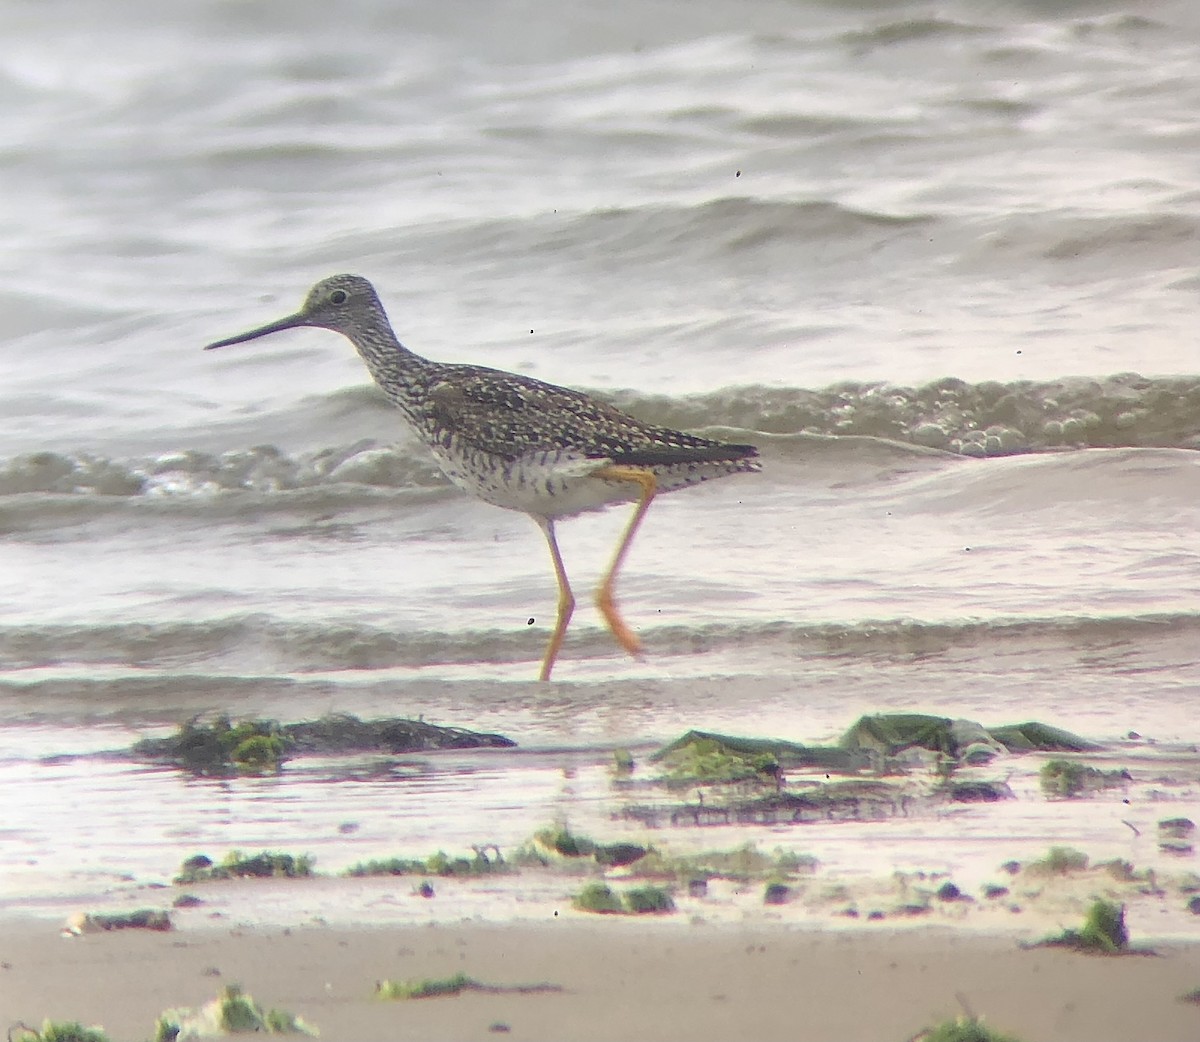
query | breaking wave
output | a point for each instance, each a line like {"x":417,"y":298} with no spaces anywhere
{"x":260,"y":645}
{"x":981,"y":420}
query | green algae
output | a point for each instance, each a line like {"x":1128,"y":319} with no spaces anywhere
{"x":561,"y":840}
{"x":388,"y":866}
{"x":1175,"y":835}
{"x":643,"y":900}
{"x":556,"y":843}
{"x":622,"y":763}
{"x":1059,"y":861}
{"x":964,"y":1029}
{"x":975,"y":791}
{"x":223,"y":747}
{"x":742,"y":864}
{"x":482,"y":863}
{"x":1037,"y":737}
{"x":435,"y":987}
{"x":424,"y":989}
{"x":850,"y":799}
{"x":265,"y":865}
{"x":704,"y":756}
{"x":57,"y":1031}
{"x":601,"y":899}
{"x":598,"y":898}
{"x":891,"y":732}
{"x":1103,"y":931}
{"x":887,"y":762}
{"x":1069,"y":779}
{"x":230,"y":1013}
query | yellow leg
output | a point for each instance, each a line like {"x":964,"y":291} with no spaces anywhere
{"x":604,"y":595}
{"x":566,"y":599}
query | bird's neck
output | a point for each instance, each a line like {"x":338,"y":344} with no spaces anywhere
{"x":398,"y":371}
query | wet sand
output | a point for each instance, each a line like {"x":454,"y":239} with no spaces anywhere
{"x":866,"y":947}
{"x":621,"y":979}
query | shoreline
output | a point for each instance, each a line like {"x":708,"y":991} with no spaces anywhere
{"x":909,"y":913}
{"x":621,"y":978}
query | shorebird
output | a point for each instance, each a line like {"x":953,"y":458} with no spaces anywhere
{"x":519,"y":443}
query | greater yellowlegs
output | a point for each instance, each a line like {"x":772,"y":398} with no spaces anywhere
{"x":519,"y":443}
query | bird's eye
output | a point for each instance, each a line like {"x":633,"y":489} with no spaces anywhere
{"x":338,"y":296}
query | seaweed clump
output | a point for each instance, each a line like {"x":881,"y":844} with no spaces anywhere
{"x":234,"y":865}
{"x":892,"y":732}
{"x":889,"y":733}
{"x":887,"y":761}
{"x":434,"y":987}
{"x":231,"y":1012}
{"x":223,"y":747}
{"x":561,"y":840}
{"x":440,"y":864}
{"x":1175,"y":835}
{"x":963,"y":1029}
{"x":600,"y":898}
{"x":1059,"y":861}
{"x":1103,"y":931}
{"x":741,"y":864}
{"x":558,"y":842}
{"x":57,"y":1031}
{"x":424,"y":989}
{"x":1037,"y":737}
{"x":702,"y":756}
{"x":1068,"y":779}
{"x":654,"y":900}
{"x":346,"y":733}
{"x":100,"y":922}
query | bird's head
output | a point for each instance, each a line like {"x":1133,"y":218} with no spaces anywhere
{"x":345,"y":304}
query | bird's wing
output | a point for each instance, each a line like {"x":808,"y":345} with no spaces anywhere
{"x":510,"y":416}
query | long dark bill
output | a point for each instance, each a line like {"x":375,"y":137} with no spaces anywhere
{"x":291,"y":322}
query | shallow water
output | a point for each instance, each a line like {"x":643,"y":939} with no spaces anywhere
{"x":133,"y":826}
{"x":920,"y":260}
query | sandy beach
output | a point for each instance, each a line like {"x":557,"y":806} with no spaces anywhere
{"x":907,"y":918}
{"x":620,"y":979}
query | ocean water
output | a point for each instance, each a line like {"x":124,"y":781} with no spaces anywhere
{"x":937,"y":261}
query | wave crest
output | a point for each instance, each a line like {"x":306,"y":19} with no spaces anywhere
{"x":984,"y":419}
{"x":259,"y":645}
